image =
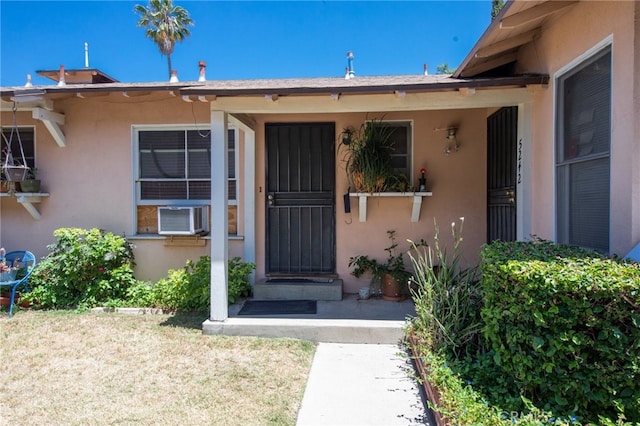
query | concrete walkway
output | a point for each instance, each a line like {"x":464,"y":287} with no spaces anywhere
{"x":362,"y":384}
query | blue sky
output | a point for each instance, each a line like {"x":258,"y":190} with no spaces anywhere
{"x":239,"y":39}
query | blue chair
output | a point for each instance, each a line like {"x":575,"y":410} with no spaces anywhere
{"x":28,"y":261}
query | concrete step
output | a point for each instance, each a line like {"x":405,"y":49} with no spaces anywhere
{"x":317,"y":330}
{"x":350,"y":320}
{"x":298,"y":289}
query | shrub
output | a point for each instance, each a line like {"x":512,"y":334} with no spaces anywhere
{"x":239,"y":285}
{"x":188,"y":289}
{"x":460,"y":404}
{"x":564,"y":325}
{"x":447,"y":297}
{"x":84,"y":268}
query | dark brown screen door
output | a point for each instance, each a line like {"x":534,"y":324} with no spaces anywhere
{"x":502,"y":131}
{"x":300,"y":198}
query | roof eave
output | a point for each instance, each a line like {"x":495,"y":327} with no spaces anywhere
{"x":202,"y":89}
{"x":519,"y":81}
{"x":490,"y":29}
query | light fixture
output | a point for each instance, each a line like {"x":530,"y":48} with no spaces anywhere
{"x":452,"y":140}
{"x":347,"y":133}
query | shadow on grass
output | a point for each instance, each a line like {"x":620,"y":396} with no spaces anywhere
{"x":191,"y":320}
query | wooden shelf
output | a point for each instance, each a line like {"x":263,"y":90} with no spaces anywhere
{"x":415,"y":210}
{"x":28,"y":199}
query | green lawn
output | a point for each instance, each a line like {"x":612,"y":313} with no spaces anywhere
{"x":84,"y":368}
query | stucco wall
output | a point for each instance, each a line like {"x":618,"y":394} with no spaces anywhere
{"x":458,"y":183}
{"x":563,"y":40}
{"x":90,"y":181}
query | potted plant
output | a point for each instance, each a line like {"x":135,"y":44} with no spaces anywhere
{"x":368,"y":158}
{"x":7,"y":273}
{"x":392,"y":273}
{"x":31,"y":183}
{"x":7,"y":186}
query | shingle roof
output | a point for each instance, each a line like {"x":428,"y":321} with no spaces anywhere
{"x":359,"y":84}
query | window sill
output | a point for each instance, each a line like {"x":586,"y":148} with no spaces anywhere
{"x":141,"y":237}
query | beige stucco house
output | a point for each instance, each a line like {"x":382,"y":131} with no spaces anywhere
{"x":544,"y":115}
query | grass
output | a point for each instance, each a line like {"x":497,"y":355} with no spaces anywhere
{"x":61,"y":367}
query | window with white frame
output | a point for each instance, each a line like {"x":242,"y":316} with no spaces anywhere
{"x":175,"y":165}
{"x":22,"y":138}
{"x":583,"y":146}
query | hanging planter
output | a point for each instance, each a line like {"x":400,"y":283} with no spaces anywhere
{"x":14,"y":170}
{"x":15,"y":173}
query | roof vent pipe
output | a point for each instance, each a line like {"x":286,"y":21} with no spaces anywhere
{"x":61,"y":81}
{"x":174,"y":76}
{"x":86,"y":54}
{"x":28,"y":83}
{"x":351,"y":71}
{"x":426,"y":69}
{"x":202,"y":65}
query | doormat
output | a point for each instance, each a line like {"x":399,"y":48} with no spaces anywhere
{"x":278,"y":307}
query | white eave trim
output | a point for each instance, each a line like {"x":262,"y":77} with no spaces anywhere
{"x":491,"y":97}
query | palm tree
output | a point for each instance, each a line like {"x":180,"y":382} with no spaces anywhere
{"x":165,"y":23}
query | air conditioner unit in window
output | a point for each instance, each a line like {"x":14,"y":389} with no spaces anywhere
{"x":182,"y":220}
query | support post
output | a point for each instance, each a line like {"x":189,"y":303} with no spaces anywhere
{"x":219,"y":216}
{"x":249,"y":189}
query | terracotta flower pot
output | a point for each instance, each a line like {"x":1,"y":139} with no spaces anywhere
{"x":5,"y":299}
{"x":392,"y":289}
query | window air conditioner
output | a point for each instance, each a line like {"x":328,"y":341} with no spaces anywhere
{"x":181,"y":220}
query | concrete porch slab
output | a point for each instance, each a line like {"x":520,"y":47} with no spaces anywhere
{"x":350,"y":320}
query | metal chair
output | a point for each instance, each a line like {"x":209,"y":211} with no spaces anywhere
{"x":28,"y":260}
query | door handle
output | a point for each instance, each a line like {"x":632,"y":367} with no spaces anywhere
{"x":512,"y":201}
{"x":270,"y":198}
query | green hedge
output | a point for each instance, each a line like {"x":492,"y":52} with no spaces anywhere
{"x":564,"y":325}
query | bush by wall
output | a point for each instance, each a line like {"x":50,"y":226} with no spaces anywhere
{"x":88,"y":268}
{"x":447,"y":297}
{"x":83,"y":268}
{"x":563,"y":324}
{"x":188,"y":289}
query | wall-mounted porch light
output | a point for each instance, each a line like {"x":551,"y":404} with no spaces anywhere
{"x":452,"y":140}
{"x":347,"y":134}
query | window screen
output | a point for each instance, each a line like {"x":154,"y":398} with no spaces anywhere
{"x":401,"y":141}
{"x":176,"y":165}
{"x":583,"y":153}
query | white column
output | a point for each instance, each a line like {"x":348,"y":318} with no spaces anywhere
{"x":219,"y":216}
{"x":249,"y":183}
{"x":524,"y":175}
{"x":250,"y":199}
